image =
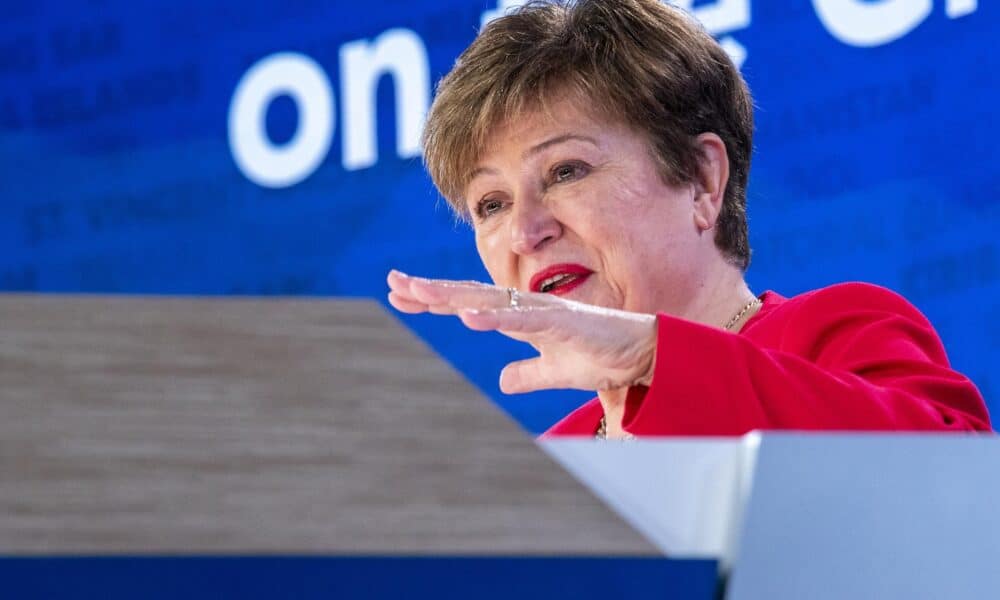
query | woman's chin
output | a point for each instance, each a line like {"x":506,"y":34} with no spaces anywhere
{"x":588,"y":293}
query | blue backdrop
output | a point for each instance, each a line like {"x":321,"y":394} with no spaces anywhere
{"x":122,"y":171}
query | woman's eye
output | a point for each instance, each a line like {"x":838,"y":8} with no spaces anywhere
{"x":567,"y":172}
{"x":488,"y":206}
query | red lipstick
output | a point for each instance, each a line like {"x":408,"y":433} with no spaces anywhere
{"x":559,"y":279}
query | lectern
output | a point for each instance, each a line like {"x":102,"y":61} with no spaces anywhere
{"x":179,"y":447}
{"x":183,"y":447}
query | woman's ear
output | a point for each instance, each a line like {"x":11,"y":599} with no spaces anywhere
{"x":710,"y":182}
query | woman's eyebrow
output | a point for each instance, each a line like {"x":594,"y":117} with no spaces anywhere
{"x":558,"y":140}
{"x":535,"y":150}
{"x":482,"y":171}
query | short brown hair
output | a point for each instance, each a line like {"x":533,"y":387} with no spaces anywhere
{"x":640,"y":62}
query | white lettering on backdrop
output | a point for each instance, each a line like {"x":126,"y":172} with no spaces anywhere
{"x":401,"y":54}
{"x":866,"y":24}
{"x":719,"y":18}
{"x":397,"y":52}
{"x":299,"y":77}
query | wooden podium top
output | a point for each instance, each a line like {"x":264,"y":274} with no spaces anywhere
{"x":183,"y":425}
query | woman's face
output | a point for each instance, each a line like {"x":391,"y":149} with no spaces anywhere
{"x":565,"y":203}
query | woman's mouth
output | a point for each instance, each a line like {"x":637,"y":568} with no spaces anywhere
{"x":560,"y":279}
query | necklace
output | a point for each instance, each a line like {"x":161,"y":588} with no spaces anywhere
{"x":743,"y":311}
{"x":602,"y":428}
{"x":602,"y":431}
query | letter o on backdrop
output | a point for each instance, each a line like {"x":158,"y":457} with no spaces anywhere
{"x":301,"y":78}
{"x":865,"y":24}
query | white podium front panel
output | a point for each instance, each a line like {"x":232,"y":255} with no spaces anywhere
{"x":871,"y":516}
{"x":812,"y":515}
{"x":683,"y":494}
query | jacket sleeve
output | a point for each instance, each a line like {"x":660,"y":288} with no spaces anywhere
{"x":849,"y":357}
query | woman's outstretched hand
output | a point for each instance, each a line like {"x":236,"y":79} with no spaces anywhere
{"x":580,"y":346}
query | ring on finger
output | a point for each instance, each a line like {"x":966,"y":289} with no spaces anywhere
{"x":513,"y":298}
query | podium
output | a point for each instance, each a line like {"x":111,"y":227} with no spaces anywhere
{"x":168,"y":447}
{"x":812,"y":515}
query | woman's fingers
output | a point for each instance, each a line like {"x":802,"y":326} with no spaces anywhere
{"x":398,"y":281}
{"x":533,"y":374}
{"x":458,"y":294}
{"x":524,"y":376}
{"x":444,"y":296}
{"x":580,"y":346}
{"x":402,"y":284}
{"x":403,"y":304}
{"x":409,"y":303}
{"x":523,"y":321}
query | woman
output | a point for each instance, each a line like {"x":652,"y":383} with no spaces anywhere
{"x":601,"y":150}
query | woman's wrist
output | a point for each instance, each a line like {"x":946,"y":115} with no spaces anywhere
{"x":648,"y":361}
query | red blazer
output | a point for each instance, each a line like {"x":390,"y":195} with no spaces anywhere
{"x":852,"y":356}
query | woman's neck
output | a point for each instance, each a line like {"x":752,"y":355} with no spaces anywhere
{"x":723,"y":296}
{"x":613,"y":403}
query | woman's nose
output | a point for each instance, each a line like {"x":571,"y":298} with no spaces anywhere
{"x":533,"y":226}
